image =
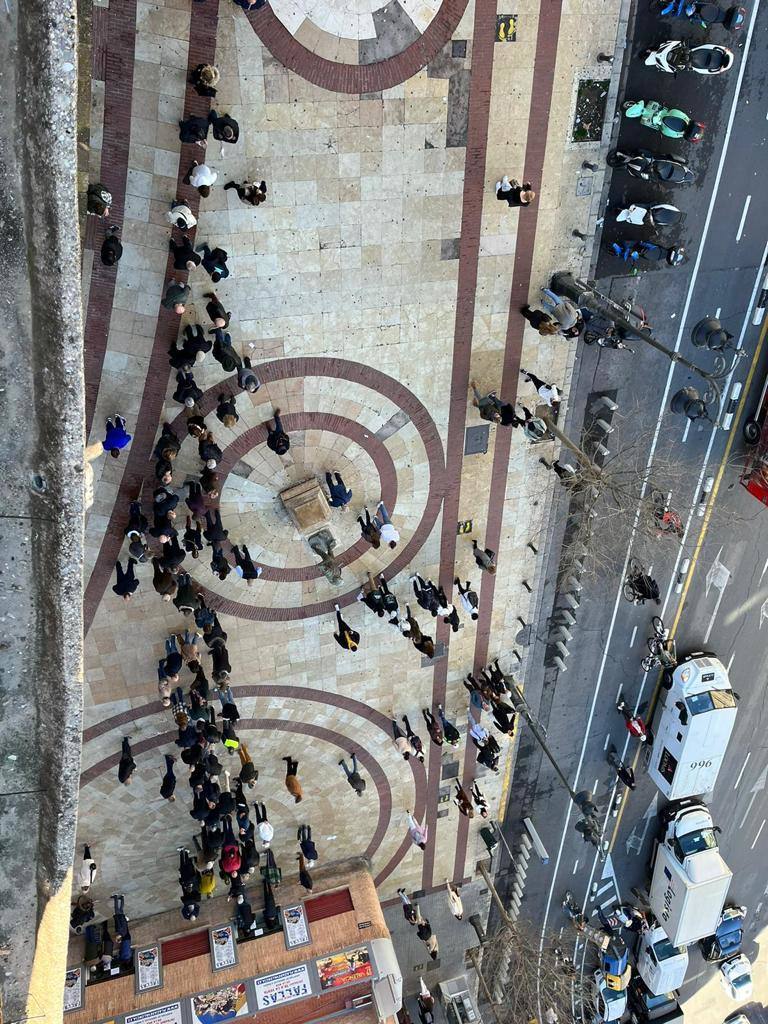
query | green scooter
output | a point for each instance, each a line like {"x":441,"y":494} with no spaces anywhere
{"x":669,"y":121}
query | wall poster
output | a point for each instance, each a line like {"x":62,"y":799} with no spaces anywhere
{"x":74,"y":989}
{"x":148,"y":968}
{"x":168,"y":1014}
{"x":223,"y":947}
{"x":219,"y":1005}
{"x":344,"y":968}
{"x":295,"y":926}
{"x":282,"y":987}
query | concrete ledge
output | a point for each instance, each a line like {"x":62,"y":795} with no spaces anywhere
{"x":41,"y":408}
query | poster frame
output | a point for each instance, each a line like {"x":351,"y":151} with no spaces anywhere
{"x":353,"y":948}
{"x":217,"y":927}
{"x":123,"y":1017}
{"x":81,"y":969}
{"x":188,"y":1001}
{"x":137,"y":972}
{"x":296,"y":945}
{"x":311,"y":975}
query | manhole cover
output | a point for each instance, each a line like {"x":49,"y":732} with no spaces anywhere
{"x":476,"y":440}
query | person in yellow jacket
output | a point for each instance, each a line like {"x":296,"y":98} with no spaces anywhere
{"x":207,"y":883}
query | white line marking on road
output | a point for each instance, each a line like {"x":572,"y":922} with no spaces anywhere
{"x":634,"y":634}
{"x":618,"y":693}
{"x":608,"y":903}
{"x":714,"y":614}
{"x":608,"y":885}
{"x":738,"y":780}
{"x":764,"y":570}
{"x":718,"y":311}
{"x":687,"y":428}
{"x":758,"y":787}
{"x":595,"y":785}
{"x":575,"y":867}
{"x":652,"y":452}
{"x":650,"y":570}
{"x":743,"y":220}
{"x":730,"y":662}
{"x":607,"y":741}
{"x":762,"y":826}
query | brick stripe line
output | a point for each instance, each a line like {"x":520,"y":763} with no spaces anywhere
{"x":541,"y":99}
{"x":112,"y":61}
{"x":369,"y":762}
{"x":202,"y":45}
{"x":469,"y":253}
{"x":357,"y":78}
{"x":276,"y":370}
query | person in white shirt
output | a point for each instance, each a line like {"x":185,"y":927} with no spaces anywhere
{"x":388,"y":533}
{"x":87,"y":870}
{"x":201,"y":177}
{"x":180,"y":216}
{"x":419,"y":833}
{"x":454,"y":900}
{"x":468,"y":597}
{"x":266,"y":832}
{"x":548,"y":393}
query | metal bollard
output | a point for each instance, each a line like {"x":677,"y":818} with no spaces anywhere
{"x":604,"y":426}
{"x":563,"y":650}
{"x":566,"y":616}
{"x":560,"y":664}
{"x":564,"y":633}
{"x":605,"y":401}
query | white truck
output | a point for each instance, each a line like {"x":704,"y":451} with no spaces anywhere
{"x":690,"y":880}
{"x":692,"y":725}
{"x":660,"y":964}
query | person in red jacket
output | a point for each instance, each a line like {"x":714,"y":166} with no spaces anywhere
{"x":635,"y":725}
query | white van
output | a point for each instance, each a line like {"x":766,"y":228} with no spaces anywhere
{"x":692,"y":725}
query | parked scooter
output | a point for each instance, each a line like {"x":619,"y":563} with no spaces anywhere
{"x":669,"y":121}
{"x":705,"y":14}
{"x":674,"y":56}
{"x":671,"y":170}
{"x":632,"y":251}
{"x":660,"y":216}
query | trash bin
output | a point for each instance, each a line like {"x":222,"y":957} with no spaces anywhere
{"x":490,"y":838}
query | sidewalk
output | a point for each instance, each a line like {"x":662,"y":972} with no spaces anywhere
{"x":380,"y":276}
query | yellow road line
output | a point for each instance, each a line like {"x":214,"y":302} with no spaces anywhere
{"x":697,"y":551}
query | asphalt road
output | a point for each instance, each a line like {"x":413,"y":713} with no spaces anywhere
{"x":727,"y":239}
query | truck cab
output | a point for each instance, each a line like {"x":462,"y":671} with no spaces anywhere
{"x":736,"y":976}
{"x":692,"y":725}
{"x":690,"y":879}
{"x":728,"y":937}
{"x":661,"y":965}
{"x":645,"y":1007}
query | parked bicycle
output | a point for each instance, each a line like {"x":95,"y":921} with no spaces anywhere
{"x":639,"y":587}
{"x":667,"y":520}
{"x":661,"y":647}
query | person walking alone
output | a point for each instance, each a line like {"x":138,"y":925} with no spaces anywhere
{"x":401,"y":741}
{"x":463,"y":801}
{"x":116,"y":437}
{"x":168,"y":785}
{"x":513,"y":193}
{"x":277,"y":439}
{"x":340,"y":494}
{"x":354,"y":778}
{"x":292,"y":783}
{"x":484,"y":557}
{"x":369,"y":529}
{"x":624,"y":772}
{"x":409,"y":911}
{"x":419,"y":833}
{"x":127,"y":765}
{"x":387,"y":532}
{"x":635,"y":725}
{"x":453,"y":892}
{"x":346,"y":637}
{"x":253,"y":193}
{"x":468,"y":597}
{"x":433,"y":728}
{"x":127,"y":584}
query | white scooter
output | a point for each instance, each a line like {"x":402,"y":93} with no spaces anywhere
{"x":660,"y":216}
{"x":674,"y":56}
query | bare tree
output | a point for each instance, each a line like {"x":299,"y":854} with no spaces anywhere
{"x":614,"y":496}
{"x":522,"y":977}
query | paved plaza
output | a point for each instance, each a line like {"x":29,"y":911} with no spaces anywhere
{"x":378,"y":279}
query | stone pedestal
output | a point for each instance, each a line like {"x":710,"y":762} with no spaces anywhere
{"x":307,"y":506}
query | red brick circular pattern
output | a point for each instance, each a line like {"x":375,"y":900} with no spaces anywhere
{"x":299,"y":693}
{"x":333,"y":424}
{"x":368,"y":376}
{"x":357,"y":78}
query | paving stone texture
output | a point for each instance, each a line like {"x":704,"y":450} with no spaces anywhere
{"x":373,"y":284}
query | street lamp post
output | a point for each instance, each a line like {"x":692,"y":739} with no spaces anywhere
{"x":585,"y":295}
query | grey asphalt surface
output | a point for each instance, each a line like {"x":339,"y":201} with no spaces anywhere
{"x":578,"y":706}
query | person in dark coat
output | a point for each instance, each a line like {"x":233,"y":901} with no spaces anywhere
{"x":99,"y":200}
{"x":220,"y":317}
{"x":175,"y":297}
{"x":184,"y":255}
{"x":434,"y":730}
{"x":226,"y":411}
{"x":543,"y":322}
{"x":369,"y":530}
{"x":168,"y":785}
{"x":346,"y":637}
{"x":193,"y":537}
{"x":219,"y":564}
{"x":221,"y":667}
{"x":246,"y":377}
{"x":308,"y":848}
{"x":340,"y":494}
{"x":214,"y":261}
{"x":252,"y":193}
{"x":173,"y":554}
{"x":277,"y":439}
{"x":305,"y":879}
{"x":425,"y":645}
{"x":127,"y":584}
{"x":354,"y":778}
{"x":127,"y":765}
{"x":450,"y":732}
{"x":513,"y":193}
{"x":214,"y":532}
{"x":194,"y":129}
{"x":187,"y":393}
{"x":163,"y":580}
{"x":195,"y":500}
{"x":417,"y":747}
{"x":244,"y":562}
{"x":203,"y":78}
{"x":111,"y":248}
{"x":223,"y":352}
{"x":186,"y":596}
{"x":249,"y":774}
{"x":225,"y":128}
{"x":463,"y":801}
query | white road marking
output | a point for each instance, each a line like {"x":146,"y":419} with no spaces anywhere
{"x":634,"y":634}
{"x":595,"y":785}
{"x":575,"y":868}
{"x":636,"y":838}
{"x":618,"y":693}
{"x":730,"y":661}
{"x":718,"y":576}
{"x":685,"y":431}
{"x":764,"y":570}
{"x":718,"y":311}
{"x":763,"y":613}
{"x":652,"y":452}
{"x":738,"y":780}
{"x":607,"y":741}
{"x":743,"y":220}
{"x":758,"y":787}
{"x":608,"y":885}
{"x":762,"y":826}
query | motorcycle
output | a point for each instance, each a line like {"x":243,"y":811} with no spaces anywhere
{"x":670,"y":170}
{"x":669,"y":121}
{"x":731,"y":18}
{"x":674,"y":56}
{"x":660,"y":216}
{"x":651,"y":252}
